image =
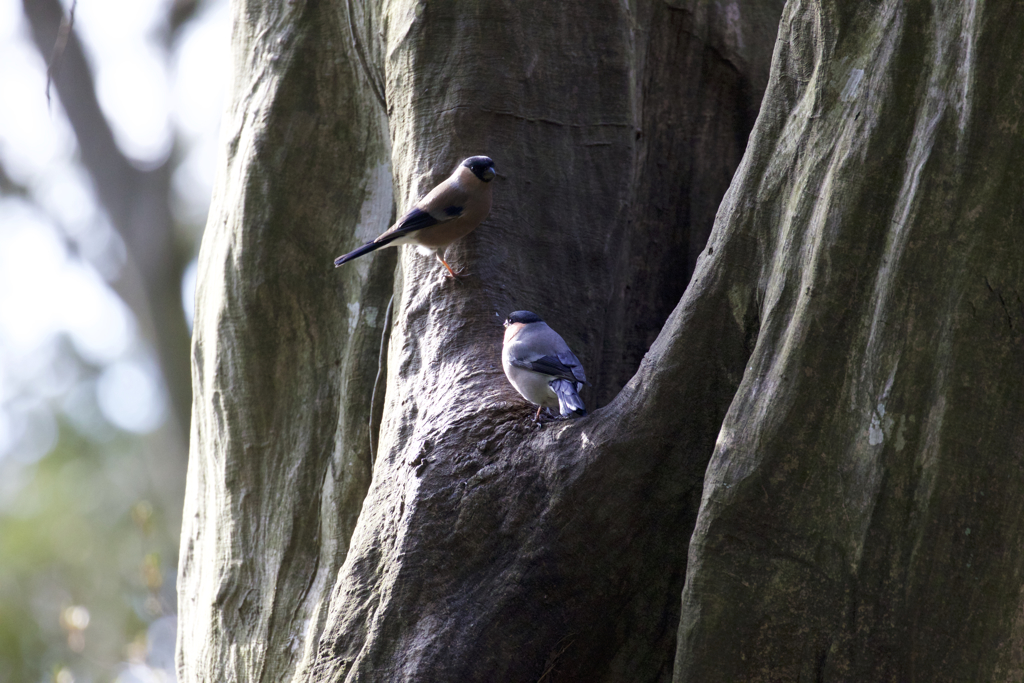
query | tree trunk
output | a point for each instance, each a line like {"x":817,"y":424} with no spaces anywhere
{"x":861,"y":518}
{"x":850,"y":331}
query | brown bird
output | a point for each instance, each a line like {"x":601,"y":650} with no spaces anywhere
{"x":451,"y":210}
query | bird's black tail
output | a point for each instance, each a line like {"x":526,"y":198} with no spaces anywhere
{"x":569,"y":400}
{"x":365,"y":249}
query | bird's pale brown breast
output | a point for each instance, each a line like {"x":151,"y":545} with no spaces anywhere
{"x":475,"y":209}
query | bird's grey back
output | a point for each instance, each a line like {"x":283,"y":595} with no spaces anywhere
{"x":540,"y":336}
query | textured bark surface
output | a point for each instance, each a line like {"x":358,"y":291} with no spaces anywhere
{"x":583,"y":109}
{"x":285,"y":349}
{"x":862,"y":512}
{"x":483,"y":547}
{"x":485,"y":552}
{"x":846,"y":354}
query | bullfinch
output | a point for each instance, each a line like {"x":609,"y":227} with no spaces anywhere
{"x":540,"y":365}
{"x":451,"y":210}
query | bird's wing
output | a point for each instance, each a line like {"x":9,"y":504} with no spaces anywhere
{"x":547,"y":365}
{"x":541,"y":349}
{"x":443,"y":203}
{"x":569,"y":359}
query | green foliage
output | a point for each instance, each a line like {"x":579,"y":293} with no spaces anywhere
{"x":83,"y":561}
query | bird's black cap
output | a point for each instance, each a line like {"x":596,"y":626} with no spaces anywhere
{"x":522,"y":317}
{"x":482,"y":167}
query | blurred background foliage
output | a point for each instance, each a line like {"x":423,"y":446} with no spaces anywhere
{"x":103,"y":197}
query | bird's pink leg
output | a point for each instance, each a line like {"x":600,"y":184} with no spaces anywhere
{"x":454,"y":275}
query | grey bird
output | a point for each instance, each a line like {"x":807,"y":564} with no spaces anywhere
{"x":451,"y":210}
{"x":540,"y":365}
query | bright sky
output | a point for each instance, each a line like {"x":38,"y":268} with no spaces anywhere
{"x":45,"y":291}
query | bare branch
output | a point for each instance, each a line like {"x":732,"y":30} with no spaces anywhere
{"x":67,"y":24}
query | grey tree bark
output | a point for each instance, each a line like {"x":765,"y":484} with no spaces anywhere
{"x":820,"y":410}
{"x":861,"y":512}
